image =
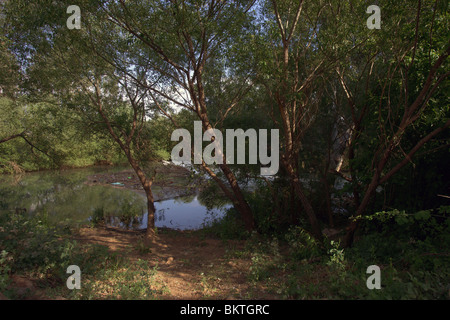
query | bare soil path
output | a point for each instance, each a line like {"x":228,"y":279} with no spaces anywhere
{"x":190,"y":265}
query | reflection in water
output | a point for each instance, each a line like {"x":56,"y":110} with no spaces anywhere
{"x":64,"y":197}
{"x":183,"y":213}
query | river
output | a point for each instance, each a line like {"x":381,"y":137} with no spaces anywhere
{"x":71,"y":197}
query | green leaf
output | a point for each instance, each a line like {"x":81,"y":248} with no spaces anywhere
{"x":422,"y":215}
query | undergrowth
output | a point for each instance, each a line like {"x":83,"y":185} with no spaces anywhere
{"x":412,"y":251}
{"x":31,"y":247}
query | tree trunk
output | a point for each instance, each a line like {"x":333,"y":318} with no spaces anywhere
{"x":147,"y":186}
{"x":150,"y":233}
{"x":239,"y":201}
{"x":315,"y":227}
{"x":242,"y":205}
{"x":349,"y":237}
{"x":328,"y":200}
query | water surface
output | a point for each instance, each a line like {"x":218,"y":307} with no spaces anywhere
{"x":64,"y":196}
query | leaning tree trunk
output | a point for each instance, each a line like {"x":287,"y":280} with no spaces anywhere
{"x":241,"y":204}
{"x":150,"y":233}
{"x":315,"y":227}
{"x":351,"y":229}
{"x":147,"y":186}
{"x":239,"y":201}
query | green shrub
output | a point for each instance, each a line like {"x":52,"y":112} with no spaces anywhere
{"x":301,"y":244}
{"x":337,"y":257}
{"x":30,"y":247}
{"x":266,"y":258}
{"x":33,"y":244}
{"x":411,"y":248}
{"x":228,"y":227}
{"x":420,"y":241}
{"x":5,"y":269}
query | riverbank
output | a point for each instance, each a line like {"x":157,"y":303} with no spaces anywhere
{"x":116,"y":265}
{"x":170,"y":181}
{"x":221,"y":262}
{"x":179,"y":265}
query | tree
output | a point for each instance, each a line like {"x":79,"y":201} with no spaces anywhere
{"x":65,"y":64}
{"x":180,"y":41}
{"x":400,"y":76}
{"x":297,"y":50}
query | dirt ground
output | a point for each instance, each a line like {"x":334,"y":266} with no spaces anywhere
{"x":189,"y":265}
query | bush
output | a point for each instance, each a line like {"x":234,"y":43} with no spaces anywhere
{"x":266,"y":258}
{"x":5,"y":269}
{"x":412,"y":250}
{"x":420,"y":241}
{"x":229,"y":227}
{"x":301,"y":244}
{"x":32,"y":245}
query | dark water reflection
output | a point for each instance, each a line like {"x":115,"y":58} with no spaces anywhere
{"x":183,"y":213}
{"x":63,"y":196}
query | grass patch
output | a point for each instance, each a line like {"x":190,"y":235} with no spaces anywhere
{"x":32,"y":248}
{"x":228,"y":227}
{"x":121,"y":279}
{"x":296,"y":267}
